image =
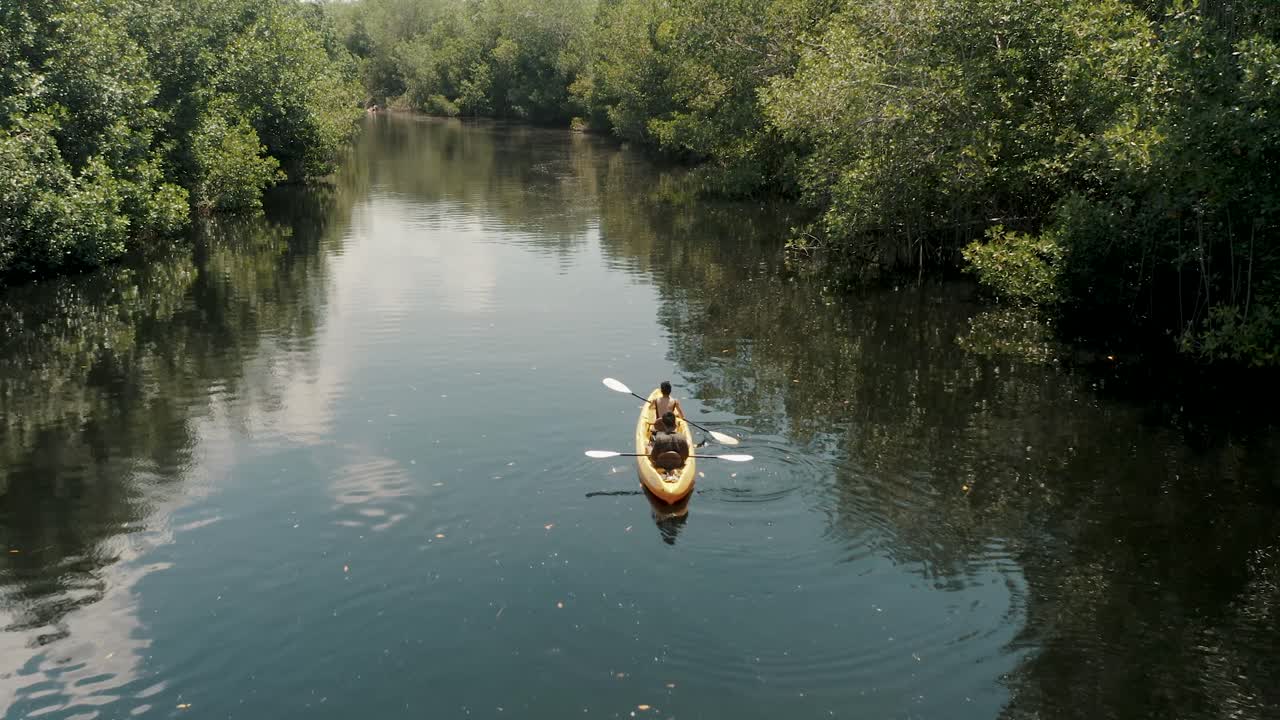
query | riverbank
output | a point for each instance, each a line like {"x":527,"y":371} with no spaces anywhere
{"x":1107,"y":162}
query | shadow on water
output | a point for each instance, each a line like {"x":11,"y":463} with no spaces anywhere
{"x":670,"y":519}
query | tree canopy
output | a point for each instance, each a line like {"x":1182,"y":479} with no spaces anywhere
{"x":118,"y":117}
{"x":1112,"y":160}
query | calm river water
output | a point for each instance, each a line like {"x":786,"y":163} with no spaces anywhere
{"x":329,"y":464}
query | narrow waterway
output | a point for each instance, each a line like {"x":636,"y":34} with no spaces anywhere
{"x":329,"y":464}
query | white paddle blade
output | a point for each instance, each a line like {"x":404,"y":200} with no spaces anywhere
{"x":734,"y":458}
{"x":602,"y":454}
{"x":724,"y":439}
{"x":616,"y":385}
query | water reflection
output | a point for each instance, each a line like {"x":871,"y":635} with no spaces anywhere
{"x":531,"y":183}
{"x":938,"y":493}
{"x":670,"y":519}
{"x":965,"y":440}
{"x":106,"y":385}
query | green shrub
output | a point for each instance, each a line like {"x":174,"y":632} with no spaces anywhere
{"x":232,"y":165}
{"x":1020,"y":267}
{"x":1249,"y":336}
{"x":440,"y":105}
{"x":52,"y":219}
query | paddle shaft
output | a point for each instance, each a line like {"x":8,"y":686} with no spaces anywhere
{"x":691,"y":456}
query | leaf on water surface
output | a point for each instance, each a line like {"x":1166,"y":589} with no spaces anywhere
{"x":439,"y":536}
{"x":642,"y":707}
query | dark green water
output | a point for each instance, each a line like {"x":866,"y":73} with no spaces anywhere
{"x":329,"y":465}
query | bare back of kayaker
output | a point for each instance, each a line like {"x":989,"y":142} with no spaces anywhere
{"x":665,"y":403}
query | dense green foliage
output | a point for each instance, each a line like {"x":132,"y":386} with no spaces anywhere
{"x":118,"y":116}
{"x":503,"y":58}
{"x":1113,"y":159}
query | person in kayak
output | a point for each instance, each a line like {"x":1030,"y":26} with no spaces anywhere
{"x":669,"y":449}
{"x":667,"y":404}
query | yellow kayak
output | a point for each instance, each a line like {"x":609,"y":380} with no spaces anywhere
{"x":669,"y":487}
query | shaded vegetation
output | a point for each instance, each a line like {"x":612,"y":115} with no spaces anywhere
{"x":118,"y":117}
{"x":1111,"y":159}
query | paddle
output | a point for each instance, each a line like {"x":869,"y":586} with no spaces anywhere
{"x":610,"y":453}
{"x":719,"y":436}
